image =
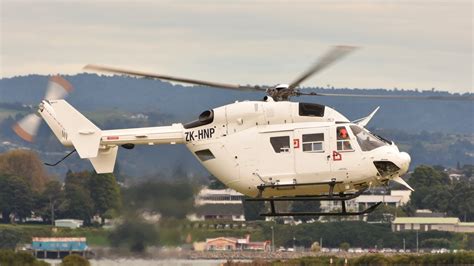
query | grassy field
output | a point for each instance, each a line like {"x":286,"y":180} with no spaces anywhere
{"x":23,"y":233}
{"x":172,"y":233}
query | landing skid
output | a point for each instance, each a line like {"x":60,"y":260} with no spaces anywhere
{"x":343,"y":197}
{"x":342,"y":213}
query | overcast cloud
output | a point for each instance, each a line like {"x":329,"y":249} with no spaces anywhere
{"x":404,"y":44}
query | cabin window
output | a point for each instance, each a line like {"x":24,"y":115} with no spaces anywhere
{"x":204,"y":155}
{"x":313,"y":142}
{"x":343,"y":139}
{"x":280,"y":144}
{"x":311,"y":109}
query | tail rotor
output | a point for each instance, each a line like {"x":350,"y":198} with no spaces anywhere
{"x":27,"y":128}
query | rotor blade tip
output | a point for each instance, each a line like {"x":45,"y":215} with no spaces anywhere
{"x":22,"y":133}
{"x":348,"y":47}
{"x":62,"y":82}
{"x":90,"y":66}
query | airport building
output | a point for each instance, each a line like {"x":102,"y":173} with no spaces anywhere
{"x":58,"y":247}
{"x":218,"y":204}
{"x":232,"y":244}
{"x":449,"y":224}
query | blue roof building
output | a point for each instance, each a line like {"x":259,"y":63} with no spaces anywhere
{"x":56,"y":247}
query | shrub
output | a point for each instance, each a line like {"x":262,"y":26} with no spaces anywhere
{"x":75,"y":260}
{"x":9,"y":257}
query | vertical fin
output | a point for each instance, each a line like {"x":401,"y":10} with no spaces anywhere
{"x":105,"y":160}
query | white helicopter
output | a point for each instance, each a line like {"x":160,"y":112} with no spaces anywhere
{"x":271,"y":150}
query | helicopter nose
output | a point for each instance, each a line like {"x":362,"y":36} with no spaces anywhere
{"x":405,"y":160}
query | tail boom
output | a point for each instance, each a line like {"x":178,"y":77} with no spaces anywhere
{"x":101,"y":146}
{"x":173,"y":134}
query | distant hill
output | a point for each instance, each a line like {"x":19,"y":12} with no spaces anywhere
{"x":181,"y":103}
{"x":116,"y":101}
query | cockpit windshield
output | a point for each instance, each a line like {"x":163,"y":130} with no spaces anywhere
{"x":367,"y":141}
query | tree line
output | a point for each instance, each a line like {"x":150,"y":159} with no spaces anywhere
{"x":27,"y":191}
{"x":434,"y":190}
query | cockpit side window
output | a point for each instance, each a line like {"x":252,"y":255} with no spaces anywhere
{"x":343,"y":139}
{"x":205,"y":118}
{"x":366,"y":140}
{"x":280,"y":144}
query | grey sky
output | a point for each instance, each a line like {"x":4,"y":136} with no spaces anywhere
{"x":405,"y":44}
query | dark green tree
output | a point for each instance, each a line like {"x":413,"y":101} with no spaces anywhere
{"x":169,"y":199}
{"x":385,"y":214}
{"x":426,"y":176}
{"x":75,"y":260}
{"x":462,"y":202}
{"x":134,"y":234}
{"x":435,"y":243}
{"x":9,"y":238}
{"x":438,"y":198}
{"x":50,"y":200}
{"x":16,"y":198}
{"x":10,"y":257}
{"x":78,"y":202}
{"x":306,"y":206}
{"x":253,"y":209}
{"x":432,"y":189}
{"x":105,"y":194}
{"x":468,"y":169}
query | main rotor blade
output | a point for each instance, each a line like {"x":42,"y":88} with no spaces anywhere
{"x":173,"y":78}
{"x":336,"y":53}
{"x":408,"y":97}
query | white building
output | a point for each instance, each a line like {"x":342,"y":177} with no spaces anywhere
{"x":218,"y":204}
{"x":450,"y":224}
{"x":218,"y":196}
{"x":365,"y":201}
{"x":396,"y":198}
{"x":404,"y":194}
{"x":69,"y":223}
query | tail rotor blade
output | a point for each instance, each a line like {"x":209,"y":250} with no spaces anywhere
{"x":58,"y":88}
{"x":27,"y":128}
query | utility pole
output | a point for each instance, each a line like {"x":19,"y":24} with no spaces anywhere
{"x":320,"y":243}
{"x":273,"y":239}
{"x":51,"y":204}
{"x":403,"y":245}
{"x":417,"y":241}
